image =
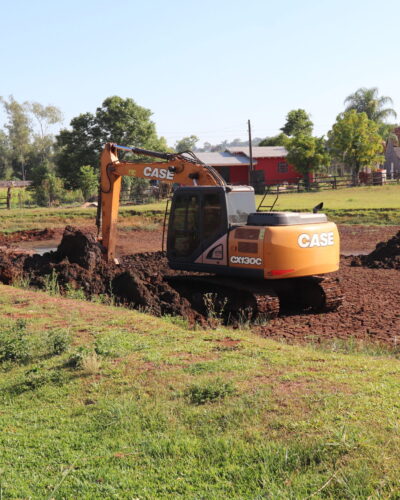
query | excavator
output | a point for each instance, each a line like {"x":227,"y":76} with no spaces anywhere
{"x":244,"y":259}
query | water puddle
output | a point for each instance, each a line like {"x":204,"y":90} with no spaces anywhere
{"x":40,"y":247}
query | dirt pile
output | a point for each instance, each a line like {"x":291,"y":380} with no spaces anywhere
{"x":78,"y":264}
{"x":385,"y":256}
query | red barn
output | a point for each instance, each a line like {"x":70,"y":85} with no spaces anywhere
{"x":233,"y":168}
{"x":234,"y":164}
{"x":272,"y":161}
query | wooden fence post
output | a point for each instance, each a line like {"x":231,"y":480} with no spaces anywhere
{"x":9,"y":197}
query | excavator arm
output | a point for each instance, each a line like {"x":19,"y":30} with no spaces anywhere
{"x":174,"y":168}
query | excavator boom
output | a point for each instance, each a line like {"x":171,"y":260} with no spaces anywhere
{"x":176,"y":168}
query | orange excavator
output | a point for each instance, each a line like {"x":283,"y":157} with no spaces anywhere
{"x":259,"y":262}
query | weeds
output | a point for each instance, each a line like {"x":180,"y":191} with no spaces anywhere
{"x":215,"y":307}
{"x":38,"y":376}
{"x":355,"y":346}
{"x":58,"y":341}
{"x":90,"y":364}
{"x":74,"y":293}
{"x":22,"y":281}
{"x":177,"y":321}
{"x":85,"y":360}
{"x":50,"y":283}
{"x":15,"y":344}
{"x":200,"y":394}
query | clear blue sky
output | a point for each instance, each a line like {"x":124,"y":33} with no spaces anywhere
{"x":204,"y":67}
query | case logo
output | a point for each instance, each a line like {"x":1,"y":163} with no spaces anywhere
{"x":159,"y":173}
{"x":255,"y":261}
{"x":306,"y":240}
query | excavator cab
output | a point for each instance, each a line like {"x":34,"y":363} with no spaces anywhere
{"x":201,"y":216}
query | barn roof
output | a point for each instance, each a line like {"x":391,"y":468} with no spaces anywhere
{"x":222,"y":159}
{"x":260,"y":151}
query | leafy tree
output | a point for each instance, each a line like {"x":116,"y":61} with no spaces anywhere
{"x":6,"y":171}
{"x":297,"y":122}
{"x":88,"y":180}
{"x":19,"y":132}
{"x":276,"y":140}
{"x":308,"y":154}
{"x":368,"y":101}
{"x":117,"y":120}
{"x":355,"y":141}
{"x":186,"y":144}
{"x":45,"y":116}
{"x":50,"y":190}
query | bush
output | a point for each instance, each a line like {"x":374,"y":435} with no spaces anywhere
{"x":50,"y":191}
{"x":58,"y":341}
{"x":88,"y":181}
{"x":15,"y":343}
{"x":209,"y":392}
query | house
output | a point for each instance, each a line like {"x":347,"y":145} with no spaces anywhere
{"x":392,"y":157}
{"x":234,"y":164}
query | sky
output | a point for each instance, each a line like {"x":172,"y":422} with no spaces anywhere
{"x":202,"y":68}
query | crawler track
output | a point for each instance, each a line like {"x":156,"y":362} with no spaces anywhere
{"x":253,"y":300}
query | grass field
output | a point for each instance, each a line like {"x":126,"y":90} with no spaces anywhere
{"x":369,"y":197}
{"x":363,"y":205}
{"x":144,"y":408}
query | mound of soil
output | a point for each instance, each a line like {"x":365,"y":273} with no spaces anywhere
{"x":78,"y":264}
{"x":385,"y":256}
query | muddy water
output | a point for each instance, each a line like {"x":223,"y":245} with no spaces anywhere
{"x":40,"y":247}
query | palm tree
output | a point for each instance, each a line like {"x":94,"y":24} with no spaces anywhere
{"x":367,"y":101}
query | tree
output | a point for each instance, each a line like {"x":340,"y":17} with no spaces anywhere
{"x":276,"y":140}
{"x":308,"y":154}
{"x":368,"y":101}
{"x":19,"y":131}
{"x":50,"y":190}
{"x":117,"y":120}
{"x":45,"y":116}
{"x":355,"y":141}
{"x":5,"y":165}
{"x":186,"y":144}
{"x":89,"y":181}
{"x":297,"y":122}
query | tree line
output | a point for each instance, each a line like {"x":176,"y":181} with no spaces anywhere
{"x":356,"y":139}
{"x":70,"y":159}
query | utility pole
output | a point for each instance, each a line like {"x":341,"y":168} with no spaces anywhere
{"x":251,"y":154}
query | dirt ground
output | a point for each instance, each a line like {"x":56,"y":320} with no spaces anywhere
{"x":355,"y":239}
{"x":371,"y":308}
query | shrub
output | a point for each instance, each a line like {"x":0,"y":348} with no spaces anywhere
{"x":207,"y":393}
{"x":58,"y":341}
{"x":15,"y":343}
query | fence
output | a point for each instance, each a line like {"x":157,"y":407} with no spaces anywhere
{"x":320,"y":183}
{"x":8,"y":186}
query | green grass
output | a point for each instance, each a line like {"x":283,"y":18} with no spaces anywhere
{"x":39,"y":218}
{"x":369,"y":197}
{"x":363,"y":205}
{"x":154,"y":410}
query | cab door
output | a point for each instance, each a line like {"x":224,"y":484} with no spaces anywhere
{"x":184,"y":238}
{"x":198,"y":219}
